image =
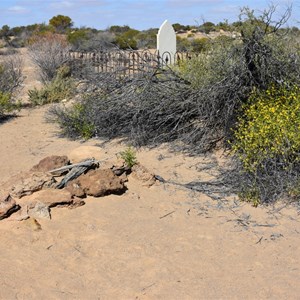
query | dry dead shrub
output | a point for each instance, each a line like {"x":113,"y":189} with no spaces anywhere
{"x":11,"y":76}
{"x":49,"y":51}
{"x":11,"y":79}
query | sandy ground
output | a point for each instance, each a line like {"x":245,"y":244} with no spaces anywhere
{"x":162,"y":242}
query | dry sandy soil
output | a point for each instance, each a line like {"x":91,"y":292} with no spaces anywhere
{"x":162,"y":242}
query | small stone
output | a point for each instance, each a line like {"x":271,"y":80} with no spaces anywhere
{"x":39,"y":210}
{"x":50,"y":163}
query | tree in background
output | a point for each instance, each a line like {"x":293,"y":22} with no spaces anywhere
{"x":116,"y":29}
{"x":127,"y":40}
{"x":207,"y":27}
{"x":77,"y":37}
{"x":146,"y":39}
{"x":5,"y":34}
{"x":178,"y":27}
{"x":87,"y":39}
{"x":61,"y":23}
{"x":224,"y":26}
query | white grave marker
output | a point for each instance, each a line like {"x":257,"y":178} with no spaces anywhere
{"x":166,"y":43}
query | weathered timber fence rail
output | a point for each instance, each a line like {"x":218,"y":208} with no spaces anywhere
{"x":126,"y":62}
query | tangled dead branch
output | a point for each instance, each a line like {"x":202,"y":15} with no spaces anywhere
{"x":11,"y":76}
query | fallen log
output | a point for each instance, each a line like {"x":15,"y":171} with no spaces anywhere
{"x":87,"y":163}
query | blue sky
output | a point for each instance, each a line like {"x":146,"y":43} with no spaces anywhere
{"x":141,"y":14}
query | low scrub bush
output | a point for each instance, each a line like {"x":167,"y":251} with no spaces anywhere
{"x":60,"y":88}
{"x":6,"y":104}
{"x":137,"y":109}
{"x":72,"y":121}
{"x":267,"y":142}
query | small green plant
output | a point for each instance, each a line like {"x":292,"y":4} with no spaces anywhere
{"x":129,"y":157}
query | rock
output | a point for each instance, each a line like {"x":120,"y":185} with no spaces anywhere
{"x":84,"y":152}
{"x":99,"y":183}
{"x":7,"y":205}
{"x":39,"y":210}
{"x":120,"y":169}
{"x":27,"y":183}
{"x":50,"y":163}
{"x":141,"y":173}
{"x":49,"y":197}
{"x":75,"y":189}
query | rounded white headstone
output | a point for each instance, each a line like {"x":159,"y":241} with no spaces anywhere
{"x":166,"y":42}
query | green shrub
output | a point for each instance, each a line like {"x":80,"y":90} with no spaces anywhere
{"x":127,"y":40}
{"x":84,"y":128}
{"x":73,"y":121}
{"x":77,"y":37}
{"x":60,"y":88}
{"x":183,"y":44}
{"x":5,"y":103}
{"x":200,"y":45}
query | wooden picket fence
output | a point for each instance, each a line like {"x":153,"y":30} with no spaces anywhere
{"x":126,"y":62}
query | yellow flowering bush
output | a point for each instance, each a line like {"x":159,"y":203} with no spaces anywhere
{"x":267,"y":143}
{"x":269,"y":127}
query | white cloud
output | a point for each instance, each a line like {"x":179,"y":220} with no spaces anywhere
{"x":18,"y":9}
{"x":226,"y":9}
{"x":62,"y":4}
{"x":186,"y":3}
